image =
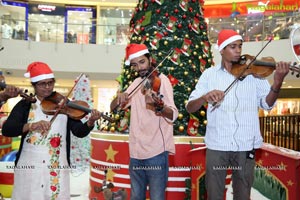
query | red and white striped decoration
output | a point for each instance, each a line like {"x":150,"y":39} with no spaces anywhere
{"x":110,"y":152}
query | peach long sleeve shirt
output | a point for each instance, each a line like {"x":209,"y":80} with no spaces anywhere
{"x":149,"y":134}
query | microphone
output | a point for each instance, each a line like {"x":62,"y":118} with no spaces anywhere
{"x":1,"y":48}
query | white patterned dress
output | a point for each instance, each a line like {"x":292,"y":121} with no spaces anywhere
{"x":42,"y":172}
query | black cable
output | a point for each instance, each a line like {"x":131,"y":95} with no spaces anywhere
{"x":235,"y":118}
{"x":162,"y":135}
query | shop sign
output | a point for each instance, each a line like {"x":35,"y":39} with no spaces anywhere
{"x":82,"y":38}
{"x":46,"y":8}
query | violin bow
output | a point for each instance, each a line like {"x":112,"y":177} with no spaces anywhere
{"x":215,"y":104}
{"x":79,"y":77}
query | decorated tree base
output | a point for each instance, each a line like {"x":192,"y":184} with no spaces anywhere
{"x":276,"y":175}
{"x":110,"y":152}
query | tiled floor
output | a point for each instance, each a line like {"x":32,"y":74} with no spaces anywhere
{"x":80,"y":188}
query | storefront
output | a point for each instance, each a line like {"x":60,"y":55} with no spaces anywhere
{"x":48,"y":22}
{"x":13,"y":20}
{"x":114,"y":25}
{"x":80,"y":25}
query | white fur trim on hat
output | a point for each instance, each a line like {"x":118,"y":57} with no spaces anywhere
{"x":229,"y":40}
{"x":41,"y":77}
{"x":135,"y":55}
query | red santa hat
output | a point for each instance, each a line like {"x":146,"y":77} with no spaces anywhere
{"x":134,"y":51}
{"x":227,"y":36}
{"x":38,"y":71}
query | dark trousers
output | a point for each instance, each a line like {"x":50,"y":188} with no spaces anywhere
{"x":242,"y":166}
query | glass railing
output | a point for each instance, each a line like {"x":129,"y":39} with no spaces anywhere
{"x":254,"y":27}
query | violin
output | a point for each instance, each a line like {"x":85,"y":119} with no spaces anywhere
{"x":153,"y":82}
{"x":258,"y":68}
{"x":152,"y":85}
{"x":249,"y":65}
{"x":51,"y":105}
{"x":29,"y":98}
{"x":151,"y":76}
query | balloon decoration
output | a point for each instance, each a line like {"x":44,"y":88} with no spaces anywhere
{"x":10,"y":157}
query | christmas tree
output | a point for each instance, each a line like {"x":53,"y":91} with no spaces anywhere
{"x":175,"y":26}
{"x":80,"y":147}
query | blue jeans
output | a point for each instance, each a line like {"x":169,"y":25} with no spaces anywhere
{"x":153,"y":172}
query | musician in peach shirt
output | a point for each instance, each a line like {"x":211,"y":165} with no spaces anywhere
{"x":151,"y":126}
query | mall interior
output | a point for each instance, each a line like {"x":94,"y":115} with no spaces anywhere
{"x":75,"y":37}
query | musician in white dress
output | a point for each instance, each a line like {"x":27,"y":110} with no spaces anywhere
{"x":43,"y":161}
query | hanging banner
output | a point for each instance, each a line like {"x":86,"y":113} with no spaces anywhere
{"x":82,"y":38}
{"x":243,"y":8}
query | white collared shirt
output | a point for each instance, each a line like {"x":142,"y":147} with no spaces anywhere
{"x":234,"y":125}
